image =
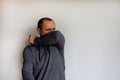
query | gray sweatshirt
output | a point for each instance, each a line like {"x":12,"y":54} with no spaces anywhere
{"x":45,"y":59}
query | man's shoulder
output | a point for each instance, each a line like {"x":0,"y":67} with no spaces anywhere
{"x":30,"y":50}
{"x":31,"y":47}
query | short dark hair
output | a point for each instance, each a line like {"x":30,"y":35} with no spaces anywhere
{"x":40,"y":22}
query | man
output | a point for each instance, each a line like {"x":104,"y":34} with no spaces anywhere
{"x":44,"y":58}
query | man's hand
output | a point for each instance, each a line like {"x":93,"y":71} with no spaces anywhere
{"x":31,"y":39}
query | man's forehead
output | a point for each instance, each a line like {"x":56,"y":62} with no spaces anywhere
{"x":46,"y":22}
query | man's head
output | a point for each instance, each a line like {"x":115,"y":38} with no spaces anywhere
{"x":45,"y":25}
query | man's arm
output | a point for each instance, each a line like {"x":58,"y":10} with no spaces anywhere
{"x":27,"y":70}
{"x":54,"y":38}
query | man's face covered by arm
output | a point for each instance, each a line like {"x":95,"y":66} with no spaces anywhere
{"x":47,"y":26}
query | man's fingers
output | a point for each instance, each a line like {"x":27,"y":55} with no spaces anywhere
{"x":31,"y":39}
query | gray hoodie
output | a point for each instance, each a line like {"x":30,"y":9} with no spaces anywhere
{"x":45,"y":59}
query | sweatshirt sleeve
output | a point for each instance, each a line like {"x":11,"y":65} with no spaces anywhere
{"x":27,"y":70}
{"x":54,"y":38}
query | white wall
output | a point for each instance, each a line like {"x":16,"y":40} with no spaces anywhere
{"x":91,"y":29}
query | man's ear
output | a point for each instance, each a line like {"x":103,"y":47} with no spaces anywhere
{"x":38,"y":30}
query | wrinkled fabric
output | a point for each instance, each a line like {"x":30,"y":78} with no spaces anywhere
{"x":45,"y":59}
